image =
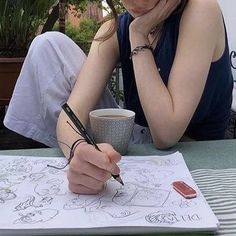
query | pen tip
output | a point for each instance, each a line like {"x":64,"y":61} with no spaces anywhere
{"x":118,"y":178}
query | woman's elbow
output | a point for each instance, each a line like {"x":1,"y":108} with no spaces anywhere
{"x":165,"y":142}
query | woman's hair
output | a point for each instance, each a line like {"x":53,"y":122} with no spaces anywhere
{"x":114,"y":21}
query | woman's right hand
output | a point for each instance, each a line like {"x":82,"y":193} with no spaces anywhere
{"x":89,"y":168}
{"x":145,"y":23}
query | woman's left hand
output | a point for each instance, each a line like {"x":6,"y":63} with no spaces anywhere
{"x":145,"y":23}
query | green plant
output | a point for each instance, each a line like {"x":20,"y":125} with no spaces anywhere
{"x":20,"y":22}
{"x":87,"y":30}
{"x":82,"y":34}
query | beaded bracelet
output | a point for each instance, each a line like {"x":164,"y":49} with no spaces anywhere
{"x":140,"y":48}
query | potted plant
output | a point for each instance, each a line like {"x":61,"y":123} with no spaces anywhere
{"x":20,"y":22}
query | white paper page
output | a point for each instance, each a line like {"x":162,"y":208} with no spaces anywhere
{"x":33,"y":196}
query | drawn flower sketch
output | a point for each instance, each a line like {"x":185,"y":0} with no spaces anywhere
{"x":33,"y":195}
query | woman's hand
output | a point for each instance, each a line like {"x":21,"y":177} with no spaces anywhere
{"x":145,"y":23}
{"x":90,"y":169}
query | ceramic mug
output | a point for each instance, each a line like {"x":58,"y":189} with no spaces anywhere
{"x":112,"y":125}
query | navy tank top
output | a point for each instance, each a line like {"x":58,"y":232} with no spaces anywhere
{"x":212,"y":114}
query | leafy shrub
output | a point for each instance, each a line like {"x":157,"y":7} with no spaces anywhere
{"x":20,"y":21}
{"x":82,"y":34}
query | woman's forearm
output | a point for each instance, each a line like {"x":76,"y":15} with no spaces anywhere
{"x":66,"y":135}
{"x":156,"y":100}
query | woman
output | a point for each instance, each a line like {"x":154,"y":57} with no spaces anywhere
{"x":176,"y":72}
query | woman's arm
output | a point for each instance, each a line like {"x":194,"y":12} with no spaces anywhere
{"x":169,"y":110}
{"x":89,"y":168}
{"x":90,"y":84}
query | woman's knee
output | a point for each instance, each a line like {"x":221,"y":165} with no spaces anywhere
{"x":47,"y":38}
{"x":43,"y":41}
{"x":54,"y":41}
{"x":56,"y":48}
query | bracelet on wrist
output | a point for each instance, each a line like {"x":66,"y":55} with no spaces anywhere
{"x":73,"y":147}
{"x":72,"y":150}
{"x":137,"y":49}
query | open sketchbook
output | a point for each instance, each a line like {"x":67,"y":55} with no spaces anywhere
{"x":34,"y":196}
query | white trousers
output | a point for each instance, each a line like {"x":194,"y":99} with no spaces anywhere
{"x":48,"y":75}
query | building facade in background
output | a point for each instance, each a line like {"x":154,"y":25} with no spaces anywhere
{"x":93,"y":11}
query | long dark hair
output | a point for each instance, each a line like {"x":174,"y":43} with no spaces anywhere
{"x":114,"y":17}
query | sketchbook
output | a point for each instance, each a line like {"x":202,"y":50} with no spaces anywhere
{"x":36,"y":197}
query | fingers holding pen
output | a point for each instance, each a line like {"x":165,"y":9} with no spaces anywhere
{"x":84,"y":184}
{"x":105,"y":159}
{"x":113,"y":155}
{"x":90,"y":169}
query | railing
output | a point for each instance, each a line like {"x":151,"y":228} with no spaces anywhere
{"x":116,"y":85}
{"x":233,"y":60}
{"x":231,"y":130}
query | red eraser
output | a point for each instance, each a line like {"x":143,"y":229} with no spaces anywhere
{"x":185,"y":190}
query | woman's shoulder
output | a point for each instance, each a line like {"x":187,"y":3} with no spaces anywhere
{"x":202,"y":18}
{"x":209,"y":9}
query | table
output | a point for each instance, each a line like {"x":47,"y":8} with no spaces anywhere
{"x":212,"y":164}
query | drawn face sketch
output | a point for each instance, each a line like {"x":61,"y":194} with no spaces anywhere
{"x":6,"y":195}
{"x":9,"y":180}
{"x":4,"y":183}
{"x":37,"y":216}
{"x":85,"y":202}
{"x":18,"y":168}
{"x":35,"y":177}
{"x":50,"y":187}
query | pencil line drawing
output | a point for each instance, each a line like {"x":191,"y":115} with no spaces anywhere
{"x":6,"y":195}
{"x":37,"y":216}
{"x":50,"y":187}
{"x":134,"y":195}
{"x":32,"y":202}
{"x":185,"y":203}
{"x":32,"y":195}
{"x":169,"y":218}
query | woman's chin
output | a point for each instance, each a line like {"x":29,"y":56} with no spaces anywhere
{"x":135,"y":15}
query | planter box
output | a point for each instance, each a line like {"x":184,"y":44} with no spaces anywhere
{"x":9,"y":71}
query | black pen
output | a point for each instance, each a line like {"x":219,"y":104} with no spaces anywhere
{"x":84,"y":133}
